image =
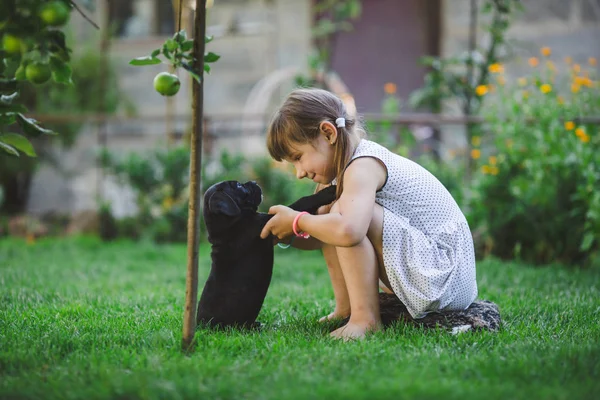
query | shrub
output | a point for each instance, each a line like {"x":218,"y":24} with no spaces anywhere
{"x":537,"y":191}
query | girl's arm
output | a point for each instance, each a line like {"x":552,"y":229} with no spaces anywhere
{"x":349,"y":219}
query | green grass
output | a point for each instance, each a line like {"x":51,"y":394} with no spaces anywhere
{"x":83,"y":319}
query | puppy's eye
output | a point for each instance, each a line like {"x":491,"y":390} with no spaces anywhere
{"x":239,"y":185}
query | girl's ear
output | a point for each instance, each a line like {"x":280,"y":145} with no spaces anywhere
{"x":329,"y":131}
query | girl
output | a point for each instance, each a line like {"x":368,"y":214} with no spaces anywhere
{"x":392,"y":221}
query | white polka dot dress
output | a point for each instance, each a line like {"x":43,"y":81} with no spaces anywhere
{"x":427,"y":244}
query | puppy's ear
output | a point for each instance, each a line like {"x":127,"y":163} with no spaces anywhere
{"x":221,"y":203}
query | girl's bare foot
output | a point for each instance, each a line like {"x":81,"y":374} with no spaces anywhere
{"x":334,"y":315}
{"x":355,"y":331}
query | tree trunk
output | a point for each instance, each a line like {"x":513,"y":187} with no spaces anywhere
{"x":191,"y":293}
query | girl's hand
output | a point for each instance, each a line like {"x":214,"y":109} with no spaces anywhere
{"x":281,"y":224}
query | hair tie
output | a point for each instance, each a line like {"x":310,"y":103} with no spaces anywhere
{"x":340,"y":122}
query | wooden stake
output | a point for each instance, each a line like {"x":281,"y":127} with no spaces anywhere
{"x":193,"y":243}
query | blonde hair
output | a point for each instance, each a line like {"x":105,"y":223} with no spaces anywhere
{"x":298,"y":121}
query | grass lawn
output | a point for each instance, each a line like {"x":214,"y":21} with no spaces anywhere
{"x":83,"y":319}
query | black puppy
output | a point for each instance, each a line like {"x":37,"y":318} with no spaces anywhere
{"x":242,"y":262}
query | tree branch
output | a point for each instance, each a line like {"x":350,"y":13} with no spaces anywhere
{"x":75,"y":6}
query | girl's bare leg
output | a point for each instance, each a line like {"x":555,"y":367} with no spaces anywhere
{"x":359,"y":266}
{"x":342,"y":301}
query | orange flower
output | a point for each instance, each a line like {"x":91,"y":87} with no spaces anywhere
{"x":30,"y":238}
{"x":501,"y":80}
{"x":522,"y":81}
{"x":580,"y":132}
{"x":569,"y":125}
{"x":585,"y":138}
{"x":496,"y":68}
{"x":569,"y":60}
{"x":476,"y":141}
{"x":577,"y":68}
{"x":592,"y":61}
{"x":575,"y":88}
{"x":475,"y":154}
{"x":533,"y":61}
{"x":545,"y":88}
{"x":550,"y":65}
{"x":493,"y":160}
{"x":494,"y":170}
{"x":546,"y":51}
{"x":481,"y":90}
{"x":390,"y":88}
{"x":583,"y":81}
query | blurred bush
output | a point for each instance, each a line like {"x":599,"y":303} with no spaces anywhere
{"x":160,"y":179}
{"x":537,"y":190}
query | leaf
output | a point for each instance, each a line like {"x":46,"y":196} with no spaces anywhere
{"x":8,"y":99}
{"x":148,"y":60}
{"x":586,"y":243}
{"x":187,"y":45}
{"x":180,"y":36}
{"x":208,"y":39}
{"x":9,"y":149}
{"x":61,"y":71}
{"x":171,"y":45}
{"x":155,"y":53}
{"x":30,"y":126}
{"x":20,"y":73}
{"x":207,"y":68}
{"x":8,"y":118}
{"x":211,"y":57}
{"x":19,"y":142}
{"x":189,"y":69}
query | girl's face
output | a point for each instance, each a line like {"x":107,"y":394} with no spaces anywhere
{"x":314,"y":160}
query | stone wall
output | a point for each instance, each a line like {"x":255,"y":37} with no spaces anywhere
{"x":254,"y":38}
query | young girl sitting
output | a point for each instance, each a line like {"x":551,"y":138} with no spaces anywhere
{"x":393,"y":221}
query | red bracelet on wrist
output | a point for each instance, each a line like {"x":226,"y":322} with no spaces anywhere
{"x":303,"y":235}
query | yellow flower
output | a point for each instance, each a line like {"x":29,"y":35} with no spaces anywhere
{"x":533,"y":62}
{"x":592,"y":61}
{"x":579,"y":132}
{"x":496,"y":68}
{"x":485,"y":169}
{"x":545,"y":88}
{"x":575,"y":88}
{"x":577,"y":68}
{"x":390,"y":88}
{"x":522,"y":81}
{"x":494,"y":170}
{"x":584,"y":138}
{"x":476,"y":141}
{"x":546,"y":51}
{"x":475,"y":154}
{"x":569,"y":60}
{"x":569,"y":125}
{"x":481,"y":90}
{"x":493,"y":160}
